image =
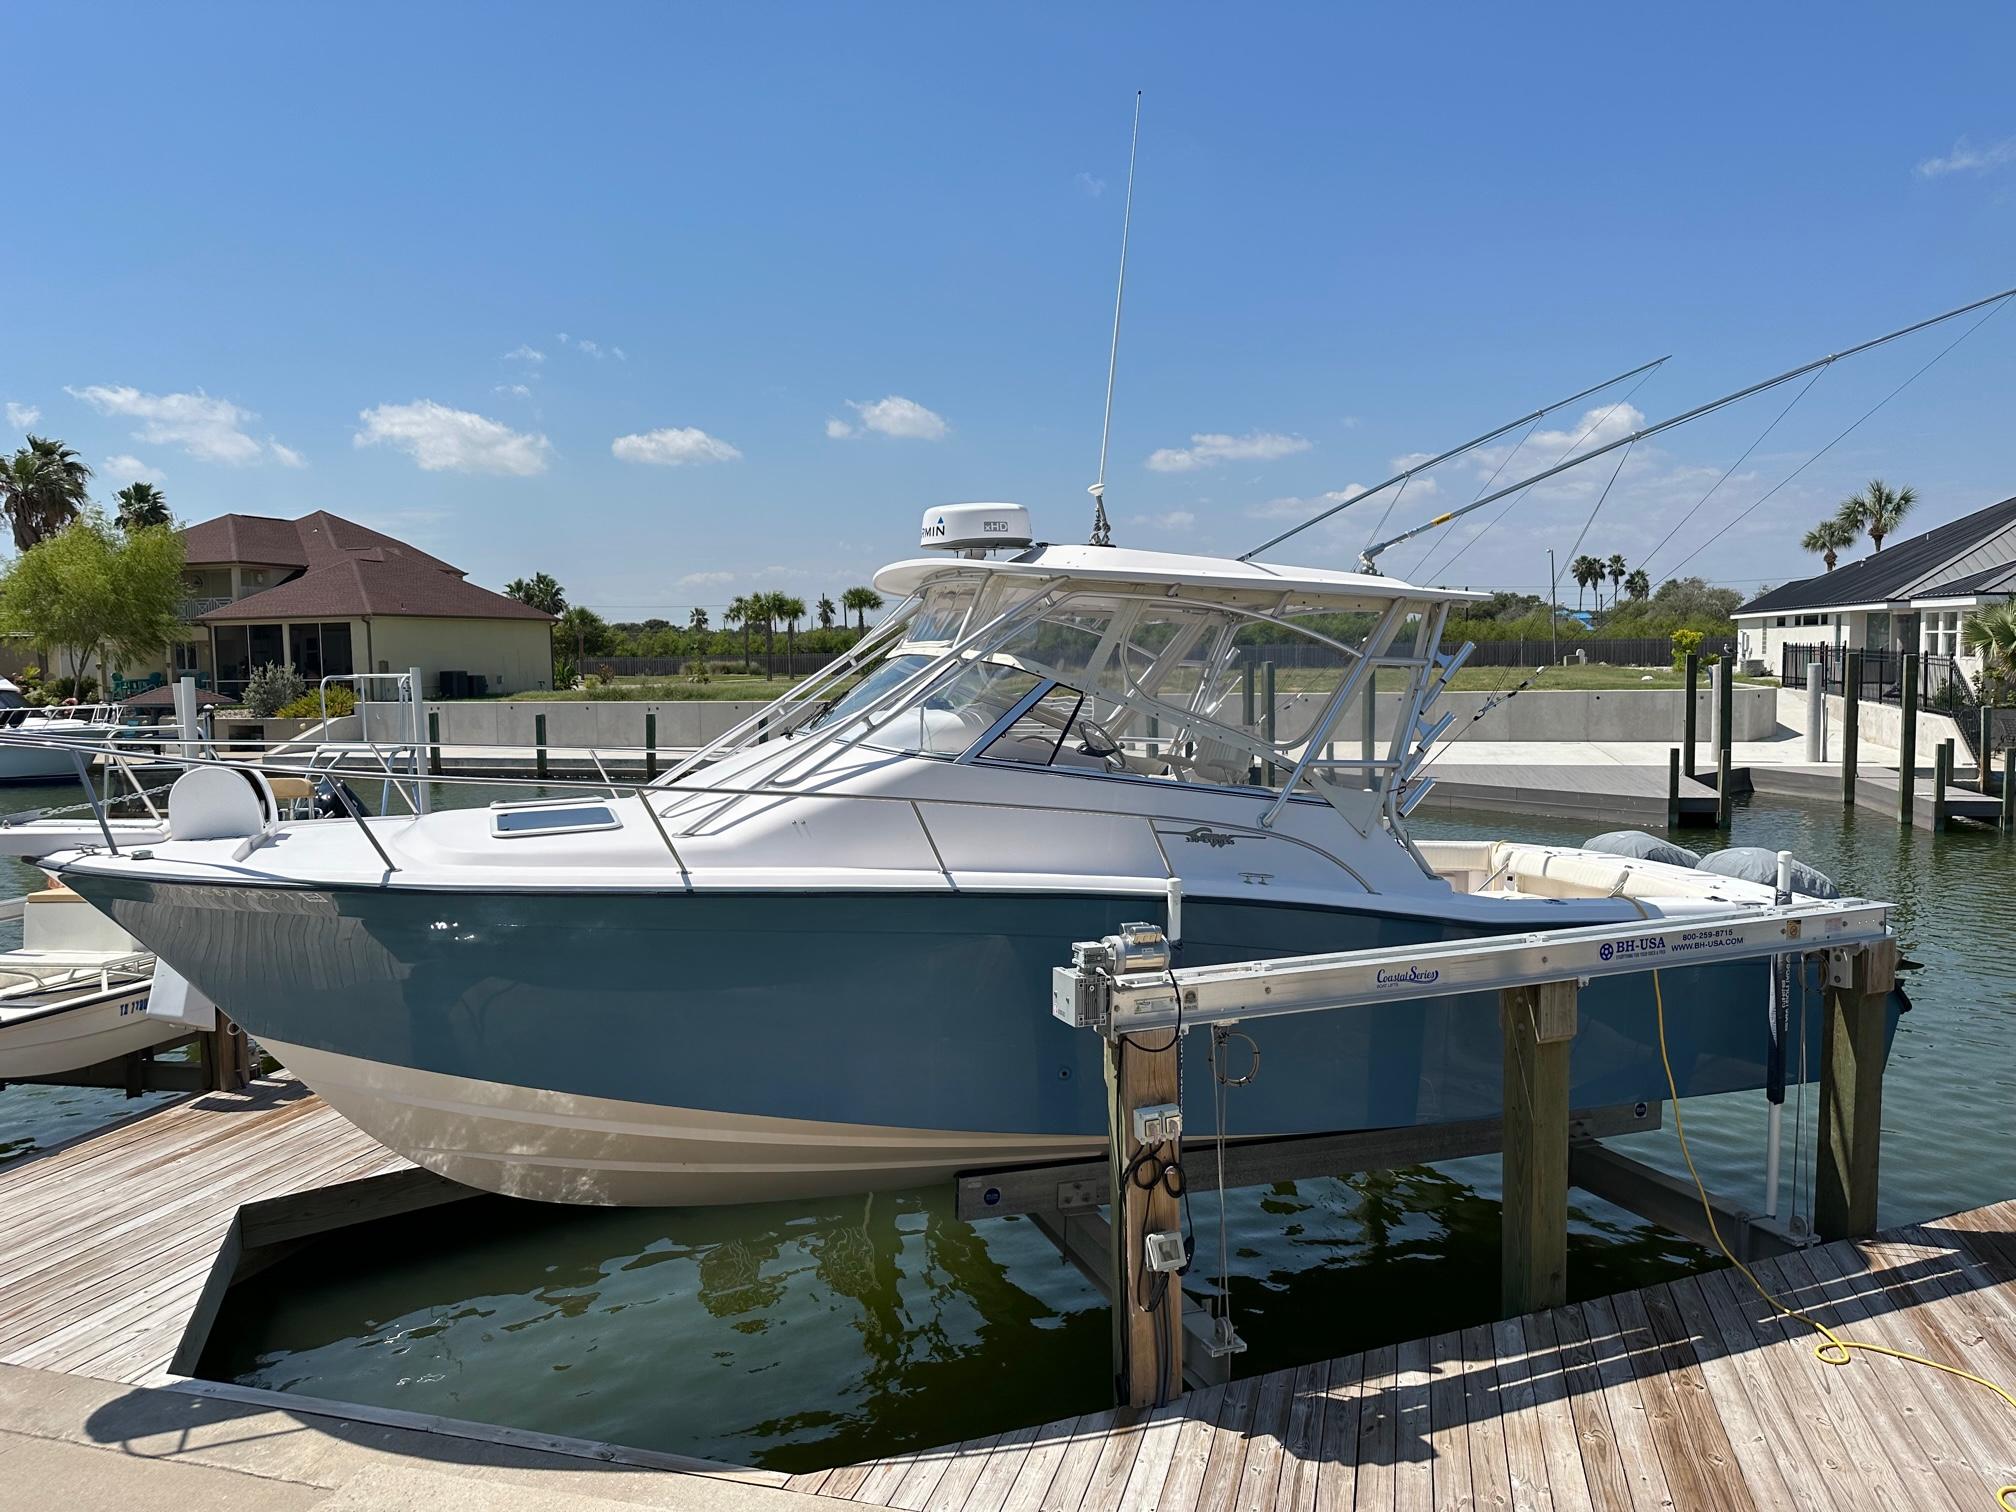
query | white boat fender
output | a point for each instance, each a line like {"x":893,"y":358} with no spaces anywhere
{"x":1636,"y":845}
{"x":173,"y":998}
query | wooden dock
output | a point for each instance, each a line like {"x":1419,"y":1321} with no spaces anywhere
{"x":1607,"y":794}
{"x":1690,"y":1394}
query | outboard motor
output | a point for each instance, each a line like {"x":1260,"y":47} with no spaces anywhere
{"x":329,"y":806}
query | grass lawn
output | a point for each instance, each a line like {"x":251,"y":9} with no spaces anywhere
{"x":759,"y":689}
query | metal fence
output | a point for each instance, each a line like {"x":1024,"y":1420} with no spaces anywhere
{"x":1639,"y":651}
{"x":1943,"y":686}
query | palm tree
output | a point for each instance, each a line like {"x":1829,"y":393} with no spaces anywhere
{"x":141,"y":505}
{"x":862,"y":601}
{"x":790,"y":610}
{"x":42,"y":489}
{"x":1638,"y":585}
{"x":742,"y":612}
{"x":1878,"y":509}
{"x":697,"y":620}
{"x":826,"y":612}
{"x":540,"y":591}
{"x":1617,"y":571}
{"x":1990,"y":633}
{"x":1830,"y":538}
{"x":767,"y":607}
{"x":1588,"y":573}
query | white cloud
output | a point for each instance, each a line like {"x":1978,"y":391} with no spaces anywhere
{"x":211,"y":430}
{"x":1089,"y":186}
{"x":673,"y":446}
{"x":1967,"y":158}
{"x":838,"y":430}
{"x":286,"y":456}
{"x":21,"y":416}
{"x":441,"y":439}
{"x":896,"y":416}
{"x":706,"y":579}
{"x":593,"y":349}
{"x":515,"y":390}
{"x":1208,"y":449}
{"x":1175,"y":519}
{"x":132,"y":469}
{"x":525,"y":352}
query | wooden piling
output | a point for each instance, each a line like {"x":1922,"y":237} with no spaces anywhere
{"x":1691,"y":718}
{"x":1147,"y":1339}
{"x":1673,"y":788}
{"x":227,"y":1058}
{"x":1853,"y":1036}
{"x":434,"y":741}
{"x":1984,"y":756}
{"x":1907,"y":750}
{"x":1942,"y":778}
{"x":1724,"y":802}
{"x":1539,"y":1028}
{"x":1725,"y":706}
{"x":539,"y":740}
{"x":1267,"y":718}
{"x":1851,"y":725}
{"x":650,"y":745}
{"x":2008,"y":788}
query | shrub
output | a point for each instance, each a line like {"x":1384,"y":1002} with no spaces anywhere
{"x":56,"y":689}
{"x":1685,"y":644}
{"x":271,"y":688}
{"x":309,"y":705}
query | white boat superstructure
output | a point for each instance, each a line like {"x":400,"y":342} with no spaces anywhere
{"x":75,"y":993}
{"x":36,"y":741}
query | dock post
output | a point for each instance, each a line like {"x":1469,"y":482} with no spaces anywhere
{"x":1147,"y":1339}
{"x":1855,"y":1027}
{"x":2008,"y":787}
{"x":434,"y":742}
{"x":1690,"y":717}
{"x":1907,"y":747}
{"x":1268,"y":718}
{"x":1673,"y":788}
{"x":650,"y":745}
{"x":1851,"y":725}
{"x":1725,"y":706}
{"x":1369,"y":723}
{"x":225,"y":1057}
{"x":1539,"y":1028}
{"x":1816,"y":711}
{"x":1942,"y":778}
{"x":1246,"y":694}
{"x":539,"y":740}
{"x":1984,"y":760}
{"x":1724,"y":801}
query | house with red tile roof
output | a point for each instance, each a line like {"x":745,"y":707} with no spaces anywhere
{"x":328,"y":596}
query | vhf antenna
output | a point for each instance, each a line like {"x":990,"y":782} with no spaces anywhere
{"x":1102,"y":528}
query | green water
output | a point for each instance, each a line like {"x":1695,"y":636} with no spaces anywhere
{"x":33,"y":1118}
{"x":804,"y":1334}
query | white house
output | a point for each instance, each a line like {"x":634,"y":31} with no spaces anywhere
{"x":1911,"y":596}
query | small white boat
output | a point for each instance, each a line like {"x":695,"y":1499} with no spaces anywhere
{"x":34,"y":741}
{"x":76,"y":992}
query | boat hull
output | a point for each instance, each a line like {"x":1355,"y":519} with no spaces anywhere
{"x":690,"y":1048}
{"x":95,"y":1027}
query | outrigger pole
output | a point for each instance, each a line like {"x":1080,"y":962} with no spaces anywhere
{"x":1454,"y":451}
{"x":1102,"y":529}
{"x":1368,"y":561}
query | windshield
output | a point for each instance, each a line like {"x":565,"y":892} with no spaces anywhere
{"x":873,"y":688}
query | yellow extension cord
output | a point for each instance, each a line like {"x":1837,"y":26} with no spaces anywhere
{"x":1836,"y":1350}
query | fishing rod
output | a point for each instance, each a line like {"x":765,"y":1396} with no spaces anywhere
{"x":1454,"y":451}
{"x":1368,"y":561}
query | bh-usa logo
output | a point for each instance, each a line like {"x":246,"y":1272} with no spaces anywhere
{"x":1413,"y":976}
{"x":1624,"y":949}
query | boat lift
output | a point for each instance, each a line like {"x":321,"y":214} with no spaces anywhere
{"x":1128,"y":989}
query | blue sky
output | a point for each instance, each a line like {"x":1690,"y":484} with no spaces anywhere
{"x":677,"y":302}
